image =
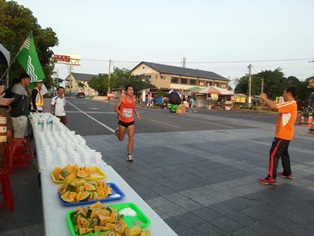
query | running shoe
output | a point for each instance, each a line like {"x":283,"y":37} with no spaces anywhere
{"x":116,"y":131}
{"x":129,"y":157}
{"x":268,"y":181}
{"x":280,"y":174}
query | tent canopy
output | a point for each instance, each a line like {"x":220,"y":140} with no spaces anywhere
{"x":215,"y":90}
{"x":4,"y":56}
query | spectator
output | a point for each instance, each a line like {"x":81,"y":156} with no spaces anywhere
{"x":37,"y":99}
{"x":57,"y":105}
{"x":20,"y":106}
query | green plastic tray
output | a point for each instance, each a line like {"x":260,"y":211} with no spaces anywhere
{"x":129,"y":220}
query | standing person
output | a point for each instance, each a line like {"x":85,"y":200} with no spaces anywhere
{"x":57,"y":105}
{"x":37,"y":99}
{"x":20,"y":106}
{"x":284,"y":134}
{"x":125,"y":108}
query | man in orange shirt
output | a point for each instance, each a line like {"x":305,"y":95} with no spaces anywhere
{"x":284,"y":134}
{"x":125,"y":108}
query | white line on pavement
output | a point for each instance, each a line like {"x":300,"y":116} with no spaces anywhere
{"x":165,"y":123}
{"x":107,"y":127}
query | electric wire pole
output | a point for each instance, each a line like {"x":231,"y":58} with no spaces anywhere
{"x":250,"y":83}
{"x":109,"y":77}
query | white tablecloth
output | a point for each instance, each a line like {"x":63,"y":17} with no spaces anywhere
{"x":55,"y":214}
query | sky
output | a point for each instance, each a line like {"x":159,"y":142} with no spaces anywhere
{"x":222,"y":36}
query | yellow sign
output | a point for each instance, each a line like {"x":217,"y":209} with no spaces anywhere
{"x":239,"y":99}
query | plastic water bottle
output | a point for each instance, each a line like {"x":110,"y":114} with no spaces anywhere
{"x":49,"y":123}
{"x":41,"y":123}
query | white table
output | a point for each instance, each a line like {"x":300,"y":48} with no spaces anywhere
{"x":55,"y":214}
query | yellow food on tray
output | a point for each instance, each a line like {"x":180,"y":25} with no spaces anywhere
{"x":82,"y":190}
{"x":71,"y":172}
{"x":99,"y":218}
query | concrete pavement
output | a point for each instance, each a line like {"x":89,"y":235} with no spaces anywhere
{"x":200,"y":183}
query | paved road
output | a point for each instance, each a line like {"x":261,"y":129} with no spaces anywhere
{"x":156,"y":120}
{"x":199,"y":171}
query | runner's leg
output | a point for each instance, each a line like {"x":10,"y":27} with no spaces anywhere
{"x":131,"y":138}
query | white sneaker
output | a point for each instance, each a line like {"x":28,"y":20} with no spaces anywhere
{"x":129,"y":157}
{"x":116,"y":131}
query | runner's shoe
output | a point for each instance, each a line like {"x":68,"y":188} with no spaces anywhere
{"x":280,"y":174}
{"x":129,"y":157}
{"x":268,"y":181}
{"x":116,"y":131}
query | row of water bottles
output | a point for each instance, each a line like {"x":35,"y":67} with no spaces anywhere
{"x":45,"y":124}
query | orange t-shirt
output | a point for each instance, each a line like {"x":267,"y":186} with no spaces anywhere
{"x":286,"y":119}
{"x":127,"y":108}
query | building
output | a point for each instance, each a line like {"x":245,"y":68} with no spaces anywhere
{"x":167,"y":77}
{"x":73,"y":82}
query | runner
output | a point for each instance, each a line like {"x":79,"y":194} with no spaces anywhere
{"x":126,"y":110}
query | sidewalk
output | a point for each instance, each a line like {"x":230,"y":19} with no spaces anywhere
{"x":206,"y":183}
{"x":200,"y":183}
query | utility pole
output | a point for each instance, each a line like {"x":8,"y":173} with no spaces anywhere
{"x":184,"y":62}
{"x":109,"y":77}
{"x":262,"y":89}
{"x":70,"y":71}
{"x":250,"y":83}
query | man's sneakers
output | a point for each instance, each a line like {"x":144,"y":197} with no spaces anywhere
{"x":268,"y":181}
{"x":280,"y":174}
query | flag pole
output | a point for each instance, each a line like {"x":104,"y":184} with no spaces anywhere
{"x":7,"y":70}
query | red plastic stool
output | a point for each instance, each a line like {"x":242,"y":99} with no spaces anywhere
{"x":14,"y":156}
{"x":25,"y":142}
{"x":6,"y":189}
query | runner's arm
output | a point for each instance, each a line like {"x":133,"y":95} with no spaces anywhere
{"x":116,"y":108}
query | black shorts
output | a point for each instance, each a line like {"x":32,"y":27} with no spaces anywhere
{"x":125,"y":124}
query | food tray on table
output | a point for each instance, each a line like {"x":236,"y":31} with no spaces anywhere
{"x":116,"y":194}
{"x":97,"y":174}
{"x":139,"y":219}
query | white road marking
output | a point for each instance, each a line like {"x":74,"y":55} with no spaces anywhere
{"x":107,"y":127}
{"x":94,"y":112}
{"x":165,"y":123}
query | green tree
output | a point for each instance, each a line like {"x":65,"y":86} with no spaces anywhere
{"x":16,"y":24}
{"x":81,"y":85}
{"x":99,"y":83}
{"x":121,"y":77}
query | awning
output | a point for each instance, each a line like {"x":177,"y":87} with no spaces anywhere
{"x":216,"y":90}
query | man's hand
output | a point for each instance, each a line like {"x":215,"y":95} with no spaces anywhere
{"x":5,"y":101}
{"x":263,"y":96}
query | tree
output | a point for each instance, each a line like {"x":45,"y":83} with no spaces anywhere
{"x":99,"y":83}
{"x":16,"y":24}
{"x":81,"y":85}
{"x":121,"y":77}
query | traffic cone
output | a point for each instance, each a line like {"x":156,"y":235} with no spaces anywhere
{"x":302,"y":120}
{"x":312,"y":128}
{"x":310,"y":120}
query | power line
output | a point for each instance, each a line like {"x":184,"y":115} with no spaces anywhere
{"x":205,"y":62}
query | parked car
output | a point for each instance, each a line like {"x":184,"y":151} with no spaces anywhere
{"x":80,"y":95}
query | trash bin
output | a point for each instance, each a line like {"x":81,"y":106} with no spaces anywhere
{"x":173,"y":108}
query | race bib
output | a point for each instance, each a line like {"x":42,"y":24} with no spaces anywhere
{"x":127,"y":112}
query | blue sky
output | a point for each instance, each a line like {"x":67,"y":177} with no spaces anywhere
{"x":223,"y":36}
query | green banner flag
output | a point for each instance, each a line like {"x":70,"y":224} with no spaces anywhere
{"x":28,"y":58}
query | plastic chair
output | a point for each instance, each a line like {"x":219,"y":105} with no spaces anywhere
{"x":6,"y":189}
{"x":14,"y":156}
{"x":25,"y":142}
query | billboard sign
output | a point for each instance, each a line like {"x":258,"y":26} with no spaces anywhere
{"x":61,"y":58}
